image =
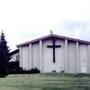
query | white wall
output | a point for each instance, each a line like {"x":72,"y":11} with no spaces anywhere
{"x":88,"y":61}
{"x":72,"y":57}
{"x":60,"y":56}
{"x":25,"y":57}
{"x":83,"y":57}
{"x":49,"y":66}
{"x":47,"y":57}
{"x":35,"y":56}
{"x":59,"y":65}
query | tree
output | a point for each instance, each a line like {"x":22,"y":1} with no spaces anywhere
{"x":4,"y":55}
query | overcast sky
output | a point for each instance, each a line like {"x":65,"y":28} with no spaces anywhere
{"x":23,"y":20}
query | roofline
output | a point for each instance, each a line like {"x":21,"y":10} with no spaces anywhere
{"x":14,"y":52}
{"x":58,"y":36}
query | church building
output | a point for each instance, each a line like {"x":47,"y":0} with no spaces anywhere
{"x":55,"y":53}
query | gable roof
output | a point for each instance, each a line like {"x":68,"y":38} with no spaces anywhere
{"x":54,"y":35}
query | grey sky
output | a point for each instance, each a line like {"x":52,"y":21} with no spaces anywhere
{"x":23,"y":20}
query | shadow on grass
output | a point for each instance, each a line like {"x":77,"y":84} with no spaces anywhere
{"x":3,"y":75}
{"x":86,"y":88}
{"x":55,"y":88}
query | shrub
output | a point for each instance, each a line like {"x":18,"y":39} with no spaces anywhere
{"x":34,"y":70}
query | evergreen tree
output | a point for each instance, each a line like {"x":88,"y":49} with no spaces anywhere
{"x":4,"y":55}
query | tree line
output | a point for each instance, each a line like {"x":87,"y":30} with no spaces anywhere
{"x":4,"y":56}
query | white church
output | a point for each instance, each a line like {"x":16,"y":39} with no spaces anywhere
{"x":55,"y":53}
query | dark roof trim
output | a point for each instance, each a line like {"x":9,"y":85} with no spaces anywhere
{"x":53,"y":35}
{"x":14,"y":52}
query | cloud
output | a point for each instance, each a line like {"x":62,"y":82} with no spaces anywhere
{"x":75,"y":29}
{"x":23,"y":20}
{"x":72,"y":24}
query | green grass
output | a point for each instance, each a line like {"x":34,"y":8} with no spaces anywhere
{"x":44,"y":82}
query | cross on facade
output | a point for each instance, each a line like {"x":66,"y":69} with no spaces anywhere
{"x":53,"y":46}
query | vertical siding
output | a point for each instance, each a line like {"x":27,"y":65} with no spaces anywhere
{"x":88,"y":62}
{"x":47,"y":57}
{"x":65,"y":54}
{"x":30,"y":62}
{"x":20,"y":64}
{"x":83,"y":58}
{"x":72,"y":57}
{"x":35,"y":55}
{"x":49,"y":66}
{"x":41,"y":55}
{"x":25,"y":57}
{"x":77,"y":58}
{"x":60,"y":56}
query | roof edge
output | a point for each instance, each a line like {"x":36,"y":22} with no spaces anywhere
{"x":55,"y":35}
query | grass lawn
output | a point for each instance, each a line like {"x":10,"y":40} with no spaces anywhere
{"x":44,"y":82}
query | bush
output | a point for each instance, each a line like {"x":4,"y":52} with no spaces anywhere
{"x":62,"y":72}
{"x":21,"y":71}
{"x":14,"y":67}
{"x":34,"y":70}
